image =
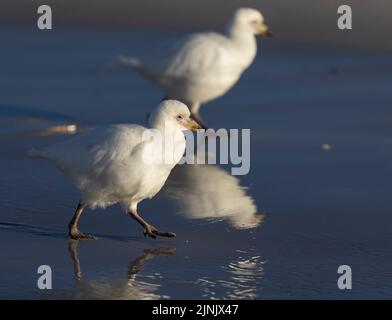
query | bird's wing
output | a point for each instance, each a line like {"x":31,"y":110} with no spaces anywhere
{"x":97,"y":150}
{"x":197,"y":54}
{"x":191,"y":58}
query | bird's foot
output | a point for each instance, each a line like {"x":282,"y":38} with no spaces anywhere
{"x":153,"y":232}
{"x":75,"y":234}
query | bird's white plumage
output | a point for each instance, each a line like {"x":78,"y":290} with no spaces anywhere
{"x":107,"y":164}
{"x":204,"y":66}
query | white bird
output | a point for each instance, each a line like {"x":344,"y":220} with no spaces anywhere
{"x":204,"y":66}
{"x":117,"y":163}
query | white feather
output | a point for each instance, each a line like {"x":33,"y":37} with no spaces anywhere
{"x":203,"y":66}
{"x":107,"y":163}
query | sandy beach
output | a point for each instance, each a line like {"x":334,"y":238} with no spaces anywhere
{"x":326,"y":205}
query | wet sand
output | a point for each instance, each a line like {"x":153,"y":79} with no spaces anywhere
{"x":325,"y":207}
{"x":371,"y":19}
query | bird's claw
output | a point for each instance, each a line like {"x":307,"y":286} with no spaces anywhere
{"x":153,"y":232}
{"x":77,"y":235}
{"x":149,"y":234}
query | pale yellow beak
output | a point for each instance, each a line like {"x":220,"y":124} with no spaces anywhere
{"x":191,"y":125}
{"x":264,"y":31}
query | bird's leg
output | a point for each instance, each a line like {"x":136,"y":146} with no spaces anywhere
{"x":74,"y":232}
{"x":150,"y":230}
{"x":195,"y":115}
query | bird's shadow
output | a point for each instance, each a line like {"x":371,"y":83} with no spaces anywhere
{"x":58,"y":234}
{"x":26,"y":113}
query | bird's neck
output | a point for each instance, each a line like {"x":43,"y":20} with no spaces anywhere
{"x":237,"y":32}
{"x":244,"y":43}
{"x":171,"y":144}
{"x":241,"y":37}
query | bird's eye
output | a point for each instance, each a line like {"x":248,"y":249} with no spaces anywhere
{"x":179,"y":117}
{"x":254,"y":22}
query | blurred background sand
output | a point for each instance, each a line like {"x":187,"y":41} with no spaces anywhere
{"x":307,"y":21}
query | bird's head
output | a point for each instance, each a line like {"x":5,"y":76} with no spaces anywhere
{"x":247,"y":20}
{"x":173,"y":113}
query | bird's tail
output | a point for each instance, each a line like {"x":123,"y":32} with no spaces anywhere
{"x":126,"y":62}
{"x":118,"y":62}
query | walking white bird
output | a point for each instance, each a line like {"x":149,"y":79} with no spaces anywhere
{"x":204,"y":66}
{"x":123,"y":163}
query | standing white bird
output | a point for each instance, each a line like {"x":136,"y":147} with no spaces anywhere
{"x":204,"y":66}
{"x":123,"y":163}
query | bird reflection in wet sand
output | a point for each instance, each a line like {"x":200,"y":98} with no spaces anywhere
{"x":129,"y":288}
{"x":243,"y":282}
{"x":209,"y":192}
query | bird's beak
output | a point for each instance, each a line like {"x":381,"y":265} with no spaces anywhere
{"x":264,"y":31}
{"x":192,"y":125}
